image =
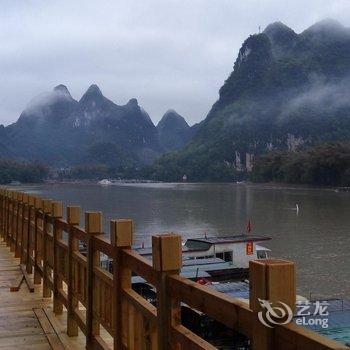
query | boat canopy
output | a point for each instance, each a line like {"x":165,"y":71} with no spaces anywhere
{"x":206,"y":242}
{"x":260,"y":248}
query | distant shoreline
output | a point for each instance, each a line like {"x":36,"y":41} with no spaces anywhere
{"x":266,"y":185}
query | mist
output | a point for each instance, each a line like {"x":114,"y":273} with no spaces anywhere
{"x":174,"y":54}
{"x":322,"y":95}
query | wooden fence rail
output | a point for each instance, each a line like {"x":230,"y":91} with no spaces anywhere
{"x":48,"y":246}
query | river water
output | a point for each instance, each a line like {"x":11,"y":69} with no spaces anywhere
{"x":317,"y":238}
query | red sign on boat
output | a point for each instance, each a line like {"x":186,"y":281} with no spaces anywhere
{"x":249,"y":248}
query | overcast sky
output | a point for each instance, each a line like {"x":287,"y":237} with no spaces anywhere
{"x":166,"y":53}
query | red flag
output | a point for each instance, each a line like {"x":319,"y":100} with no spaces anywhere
{"x":249,"y":226}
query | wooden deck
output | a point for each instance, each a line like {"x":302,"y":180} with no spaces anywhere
{"x":26,"y":319}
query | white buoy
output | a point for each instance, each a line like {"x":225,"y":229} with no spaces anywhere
{"x":297,"y":208}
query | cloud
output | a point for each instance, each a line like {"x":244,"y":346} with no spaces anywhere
{"x":168,"y":54}
{"x":47,"y":99}
{"x":322,"y":95}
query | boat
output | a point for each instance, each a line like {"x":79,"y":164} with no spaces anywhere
{"x":104,"y":182}
{"x":212,"y":259}
{"x":218,"y":258}
{"x":238,"y":249}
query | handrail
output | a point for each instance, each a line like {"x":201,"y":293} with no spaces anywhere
{"x":48,"y":245}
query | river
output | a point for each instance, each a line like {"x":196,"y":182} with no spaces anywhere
{"x":317,"y":238}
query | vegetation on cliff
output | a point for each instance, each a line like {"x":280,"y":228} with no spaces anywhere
{"x":326,"y":165}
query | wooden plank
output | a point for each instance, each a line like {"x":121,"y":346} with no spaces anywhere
{"x":231,"y":312}
{"x":104,"y":275}
{"x":63,"y":297}
{"x":100,"y":344}
{"x":28,"y":342}
{"x":140,"y":265}
{"x":293,"y":337}
{"x":62,"y":224}
{"x":27,"y":279}
{"x":141,"y":304}
{"x":80,"y":319}
{"x":49,"y":331}
{"x":16,"y":284}
{"x":58,"y":322}
{"x":103,"y":245}
{"x":79,"y":233}
{"x":189,"y":340}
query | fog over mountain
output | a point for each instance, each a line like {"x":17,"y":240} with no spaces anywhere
{"x":61,"y":131}
{"x":287,"y":91}
{"x":170,"y":54}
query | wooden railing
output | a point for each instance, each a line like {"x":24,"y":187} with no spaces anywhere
{"x":95,"y":299}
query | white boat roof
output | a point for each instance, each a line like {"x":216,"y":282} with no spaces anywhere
{"x":230,"y":239}
{"x":147,"y":251}
{"x":261,"y":248}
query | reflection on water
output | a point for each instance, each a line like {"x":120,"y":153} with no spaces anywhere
{"x":318,"y":238}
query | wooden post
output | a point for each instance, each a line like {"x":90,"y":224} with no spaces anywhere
{"x":271,"y":280}
{"x":167,"y":259}
{"x":13,"y":221}
{"x":121,"y":232}
{"x":57,"y":212}
{"x":15,"y":224}
{"x":93,"y":226}
{"x":18,"y":224}
{"x":8,"y":216}
{"x":36,"y":204}
{"x":3,"y":215}
{"x":1,"y":211}
{"x":47,"y":207}
{"x":23,"y":223}
{"x":30,"y":248}
{"x":9,"y":220}
{"x":73,"y":218}
{"x":24,"y":228}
